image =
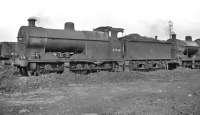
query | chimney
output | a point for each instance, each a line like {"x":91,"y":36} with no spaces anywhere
{"x":188,"y":38}
{"x":31,"y":22}
{"x":69,"y":26}
{"x":156,"y":37}
{"x":173,"y":36}
{"x":174,"y":48}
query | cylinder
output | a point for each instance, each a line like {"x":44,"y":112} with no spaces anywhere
{"x":156,"y":37}
{"x":69,"y":26}
{"x":173,"y":36}
{"x":31,"y":22}
{"x":188,"y":38}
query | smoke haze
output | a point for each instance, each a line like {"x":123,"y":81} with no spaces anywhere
{"x":148,"y":18}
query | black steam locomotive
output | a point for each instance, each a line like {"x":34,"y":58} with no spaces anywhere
{"x":44,"y":50}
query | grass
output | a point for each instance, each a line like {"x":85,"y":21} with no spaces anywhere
{"x":10,"y":83}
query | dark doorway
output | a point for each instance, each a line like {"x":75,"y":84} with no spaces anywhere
{"x":172,"y":66}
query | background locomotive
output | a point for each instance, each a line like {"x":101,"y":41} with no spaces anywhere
{"x":188,"y":52}
{"x":8,"y":52}
{"x":44,"y":50}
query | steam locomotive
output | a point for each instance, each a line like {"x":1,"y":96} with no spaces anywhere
{"x":43,"y":50}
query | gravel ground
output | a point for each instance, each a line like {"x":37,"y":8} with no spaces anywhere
{"x":161,"y":92}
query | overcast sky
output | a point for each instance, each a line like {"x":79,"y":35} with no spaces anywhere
{"x":146,"y":17}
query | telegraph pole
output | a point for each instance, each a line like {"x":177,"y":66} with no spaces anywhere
{"x":171,"y":29}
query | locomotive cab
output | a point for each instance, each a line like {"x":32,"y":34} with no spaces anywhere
{"x":116,"y":44}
